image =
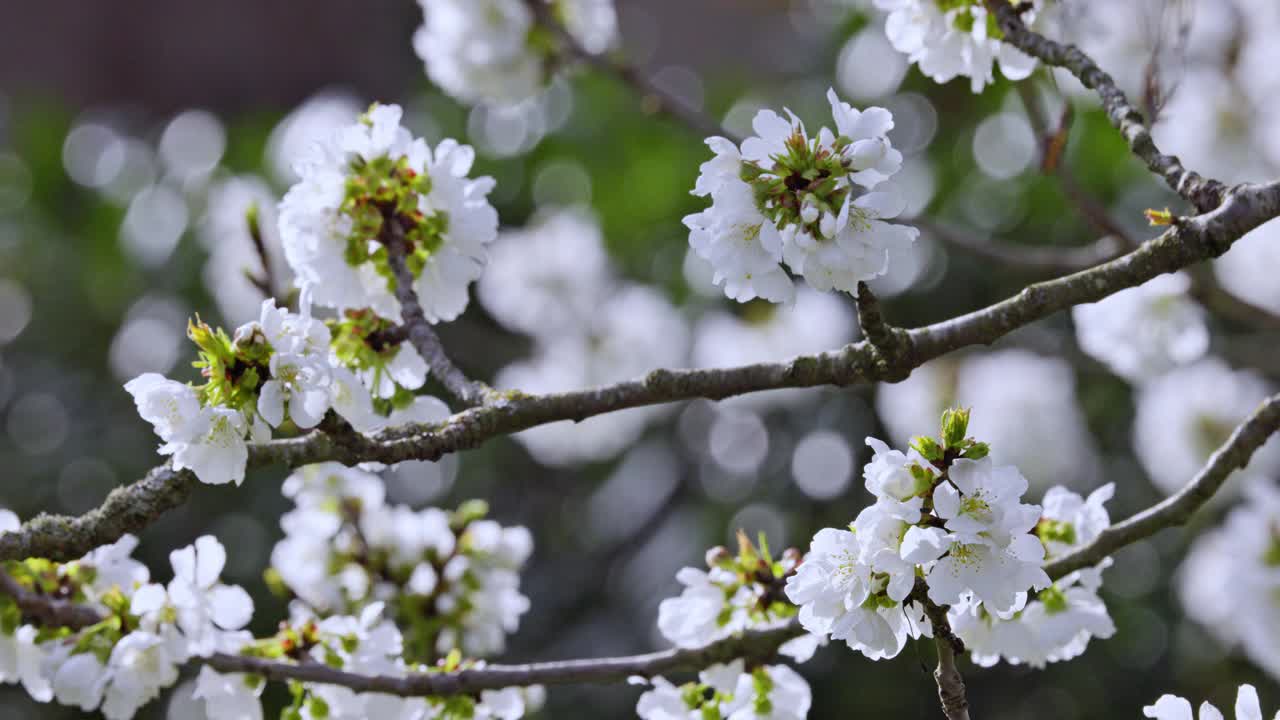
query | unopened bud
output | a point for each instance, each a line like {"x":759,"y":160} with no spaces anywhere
{"x":1159,"y":218}
{"x":717,"y":556}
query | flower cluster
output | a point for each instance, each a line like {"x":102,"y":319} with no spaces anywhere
{"x":732,"y":692}
{"x":371,"y":183}
{"x":1058,"y":622}
{"x":553,"y":280}
{"x":736,"y":593}
{"x":954,"y":38}
{"x":275,"y":369}
{"x":814,"y":204}
{"x":499,"y":50}
{"x":1243,"y":554}
{"x":365,"y":644}
{"x":1172,"y":707}
{"x":944,"y":514}
{"x":449,"y":579}
{"x":146,"y":631}
{"x":1145,"y":331}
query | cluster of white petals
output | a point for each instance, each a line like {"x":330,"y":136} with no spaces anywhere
{"x":345,"y":549}
{"x":1145,"y":331}
{"x":147,"y":633}
{"x":954,"y":38}
{"x":1058,"y":623}
{"x":329,"y":219}
{"x":553,"y":281}
{"x":276,"y":368}
{"x":958,"y":525}
{"x":1242,"y":554}
{"x":816,"y":206}
{"x":729,"y":691}
{"x":496,"y":51}
{"x":1172,"y":707}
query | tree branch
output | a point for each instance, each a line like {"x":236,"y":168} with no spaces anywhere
{"x":752,"y":645}
{"x":1203,"y":193}
{"x":418,"y":330}
{"x":1179,"y":507}
{"x":1189,"y":241}
{"x":759,"y":645}
{"x":48,"y":611}
{"x":951,"y":693}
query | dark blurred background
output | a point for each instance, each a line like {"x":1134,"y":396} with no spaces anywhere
{"x":86,"y":303}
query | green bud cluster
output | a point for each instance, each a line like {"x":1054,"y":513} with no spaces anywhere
{"x":357,"y":346}
{"x":808,"y":172}
{"x":234,"y":368}
{"x":754,"y":566}
{"x":953,"y":441}
{"x":384,"y":190}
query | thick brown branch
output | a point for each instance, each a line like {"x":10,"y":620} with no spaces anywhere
{"x":1203,"y":193}
{"x":1179,"y":507}
{"x":417,"y":328}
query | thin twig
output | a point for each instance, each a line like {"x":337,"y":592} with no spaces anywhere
{"x":1179,"y":507}
{"x":951,"y":693}
{"x":47,"y":611}
{"x":650,"y":93}
{"x":871,"y":318}
{"x":418,"y":329}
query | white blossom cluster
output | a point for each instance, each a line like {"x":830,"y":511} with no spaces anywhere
{"x":1172,"y":707}
{"x":450,"y":579}
{"x":816,"y":206}
{"x":372,"y":178}
{"x":147,"y":632}
{"x":553,"y":281}
{"x":1244,"y":552}
{"x":955,"y":38}
{"x":1058,"y":622}
{"x":364,"y":644}
{"x":729,"y":691}
{"x":500,"y":50}
{"x":947,"y":516}
{"x":279,"y":367}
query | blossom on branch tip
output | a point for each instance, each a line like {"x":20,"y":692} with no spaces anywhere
{"x":372,"y":179}
{"x":813,"y":205}
{"x":955,"y":38}
{"x":495,"y":50}
{"x":729,"y":691}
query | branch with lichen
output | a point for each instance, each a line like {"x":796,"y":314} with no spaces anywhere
{"x":1184,"y":243}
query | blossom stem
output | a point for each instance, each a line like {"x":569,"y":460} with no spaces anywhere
{"x":418,"y":330}
{"x":48,"y":611}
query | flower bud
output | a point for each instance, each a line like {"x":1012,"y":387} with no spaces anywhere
{"x":717,"y":556}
